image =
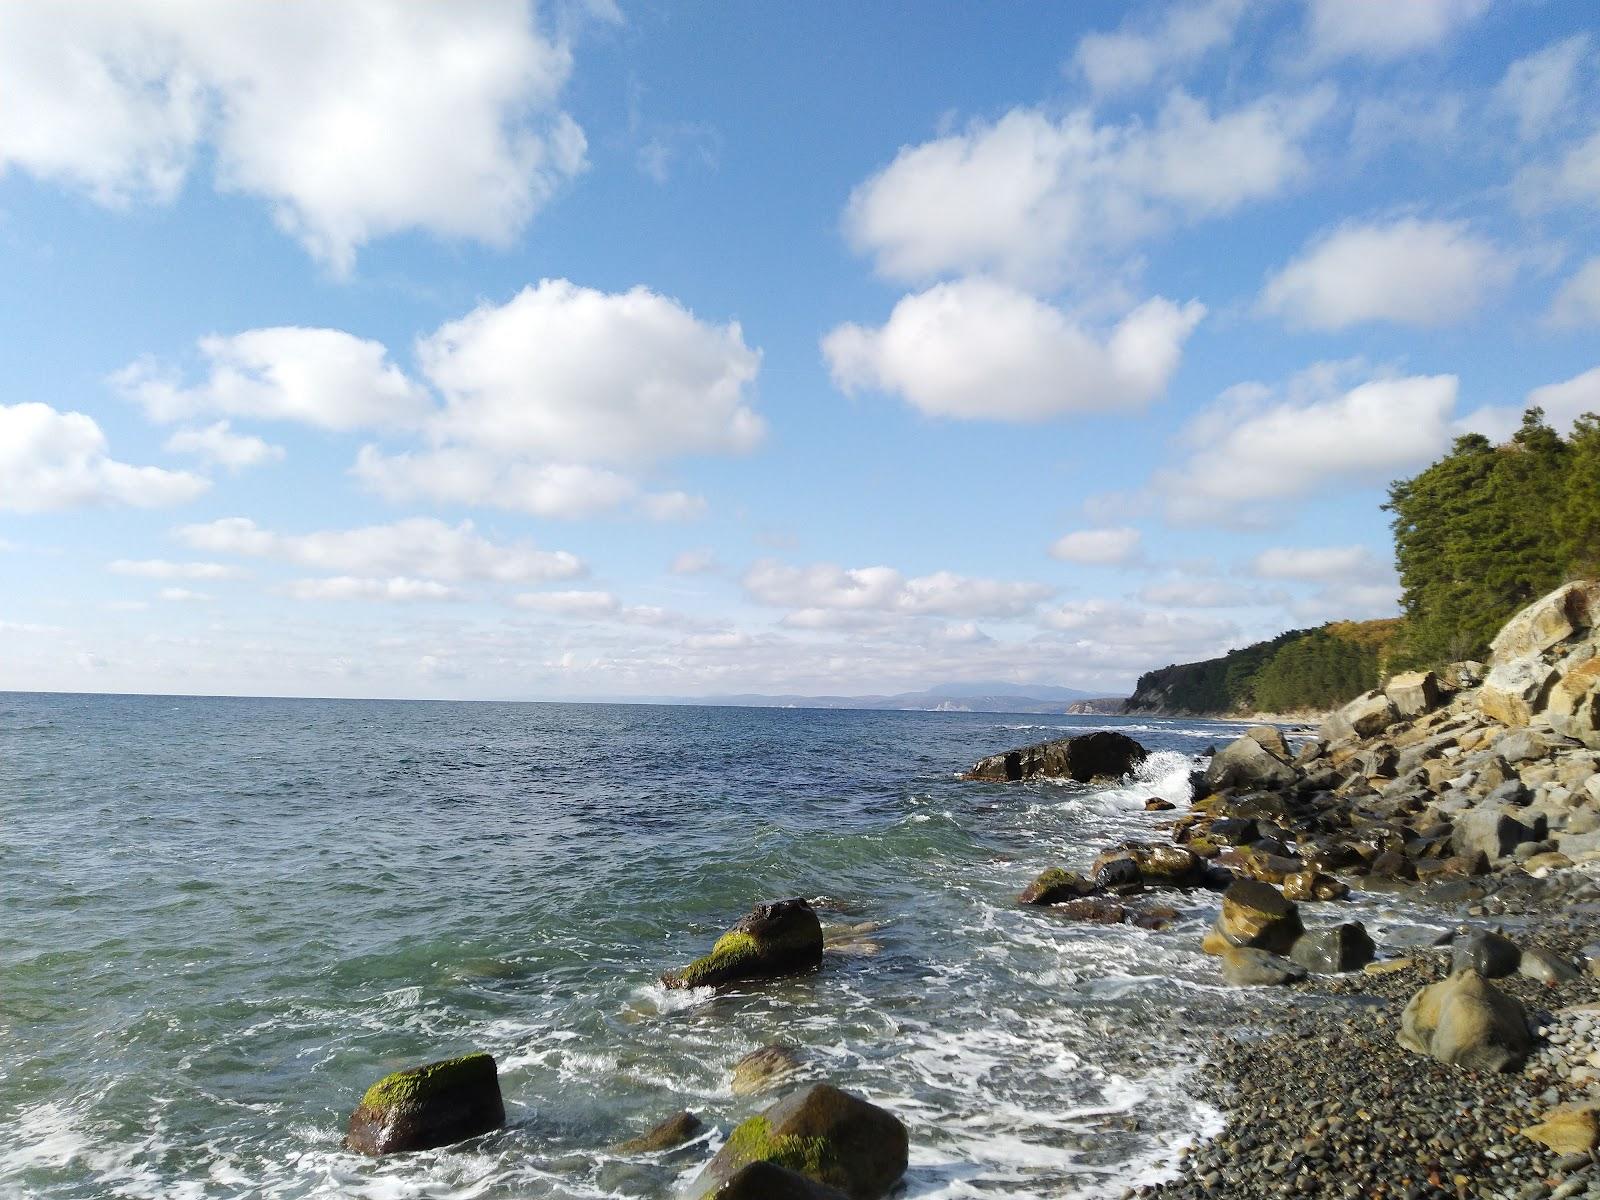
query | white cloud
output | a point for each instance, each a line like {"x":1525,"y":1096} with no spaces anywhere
{"x":1138,"y":53}
{"x":1035,"y":200}
{"x":348,"y":587}
{"x":219,"y":445}
{"x":1384,"y":29}
{"x":694,"y":562}
{"x":567,"y":373}
{"x":158,"y":568}
{"x":456,"y":475}
{"x":570,"y":603}
{"x":1097,"y":547}
{"x":1200,"y":593}
{"x":673,"y":506}
{"x":1126,"y":634}
{"x":1410,"y":271}
{"x":886,"y":590}
{"x":54,"y":460}
{"x":1321,"y":564}
{"x":1564,"y":402}
{"x":1578,"y":301}
{"x":352,"y":120}
{"x":1574,"y":178}
{"x":979,"y":349}
{"x":1540,"y":88}
{"x":321,"y":377}
{"x":417,"y":546}
{"x":180,"y":595}
{"x":1252,"y":447}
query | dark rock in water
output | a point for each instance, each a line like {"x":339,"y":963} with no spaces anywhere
{"x":763,"y":1181}
{"x":1233,"y":831}
{"x":1055,"y":886}
{"x":1245,"y":966}
{"x":1090,"y":756}
{"x":764,"y":1069}
{"x":679,"y":1128}
{"x":427,"y":1106}
{"x":1246,"y":763}
{"x":1346,"y":947}
{"x":1117,"y":872}
{"x":782,"y":938}
{"x":1468,"y":1022}
{"x":1489,"y":954}
{"x":1094,"y":910}
{"x":1157,"y":804}
{"x":829,"y":1136}
{"x":1256,"y":914}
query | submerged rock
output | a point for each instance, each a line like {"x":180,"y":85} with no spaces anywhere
{"x":1090,"y":756}
{"x":678,"y":1129}
{"x":822,"y":1133}
{"x":782,"y":938}
{"x":1468,"y":1022}
{"x":764,"y":1181}
{"x":432,"y":1105}
{"x":765,"y":1068}
{"x":1055,"y":886}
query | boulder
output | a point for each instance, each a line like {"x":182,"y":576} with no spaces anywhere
{"x":1547,"y":622}
{"x":1346,"y":947}
{"x":764,"y":1181}
{"x":782,"y":938}
{"x":1492,"y":831}
{"x":1142,"y":862}
{"x":1364,"y":717}
{"x":1271,"y":739}
{"x":829,"y":1136}
{"x":1055,"y":886}
{"x":1246,"y":763}
{"x":677,"y":1130}
{"x":1256,"y":914}
{"x":1157,"y":804}
{"x":765,"y":1068}
{"x":1090,"y":756}
{"x":1245,"y":966}
{"x":1467,"y":1022}
{"x":1313,"y":885}
{"x":432,"y":1105}
{"x":1095,"y":910}
{"x":1545,"y":967}
{"x":1568,"y":1129}
{"x":1413,"y":693}
{"x":1514,"y":691}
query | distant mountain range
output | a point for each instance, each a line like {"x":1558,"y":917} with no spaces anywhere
{"x":950,"y":697}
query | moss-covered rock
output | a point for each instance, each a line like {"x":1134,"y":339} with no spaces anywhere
{"x":782,"y":938}
{"x":764,"y":1181}
{"x":676,"y":1130}
{"x":829,"y":1136}
{"x":431,"y":1105}
{"x":1055,"y":886}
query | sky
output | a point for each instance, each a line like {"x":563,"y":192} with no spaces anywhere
{"x":481,"y":350}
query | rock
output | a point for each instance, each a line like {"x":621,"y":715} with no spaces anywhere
{"x":1141,"y":862}
{"x":1092,"y":909}
{"x":782,"y":938}
{"x":1256,"y":914}
{"x":1245,"y":966}
{"x":1513,"y":692}
{"x":1414,"y":693}
{"x":1346,"y":947}
{"x":1055,"y":886}
{"x":1492,"y":831}
{"x":1520,"y":745}
{"x":1459,"y":676}
{"x":1234,"y":831}
{"x":427,"y":1106}
{"x":765,"y":1068}
{"x":1365,"y":716}
{"x":829,"y":1136}
{"x":1546,"y":622}
{"x":1090,"y":756}
{"x":1313,"y":885}
{"x":1157,"y":804}
{"x":1569,"y":1129}
{"x":1271,"y":740}
{"x":1489,"y":954}
{"x":1546,"y":967}
{"x":675,"y":1131}
{"x":1468,"y":1022}
{"x":764,"y":1181}
{"x":1246,"y":763}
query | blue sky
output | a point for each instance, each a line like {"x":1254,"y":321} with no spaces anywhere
{"x":483,"y":351}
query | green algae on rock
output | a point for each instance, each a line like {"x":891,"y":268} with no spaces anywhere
{"x":782,"y":938}
{"x":427,"y":1106}
{"x":827,"y":1135}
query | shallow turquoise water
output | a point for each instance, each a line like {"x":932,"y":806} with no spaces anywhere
{"x":221,"y":919}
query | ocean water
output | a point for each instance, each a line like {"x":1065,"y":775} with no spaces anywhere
{"x":220,"y":920}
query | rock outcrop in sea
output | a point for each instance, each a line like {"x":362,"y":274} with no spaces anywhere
{"x":781,"y":938}
{"x":1105,"y":755}
{"x":427,"y":1106}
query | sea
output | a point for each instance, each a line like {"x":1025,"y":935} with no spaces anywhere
{"x":221,"y":919}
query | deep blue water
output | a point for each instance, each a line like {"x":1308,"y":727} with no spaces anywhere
{"x":220,"y":919}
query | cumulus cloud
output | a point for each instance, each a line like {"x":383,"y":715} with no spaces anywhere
{"x":1410,"y":272}
{"x":1321,"y":564}
{"x":1139,"y":52}
{"x":1568,"y":400}
{"x":673,"y":506}
{"x":1382,"y":29}
{"x":981,"y":349}
{"x":178,"y":595}
{"x":352,"y":121}
{"x":1540,"y":88}
{"x":605,"y":606}
{"x":458,"y":475}
{"x":325,"y":378}
{"x":55,"y":460}
{"x":160,"y":568}
{"x":218,"y":445}
{"x":1254,"y":446}
{"x":349,"y":587}
{"x":1036,"y":200}
{"x":693,"y":562}
{"x":1201,"y":593}
{"x":1097,"y":547}
{"x":1572,"y":178}
{"x":417,"y":546}
{"x":1578,"y":301}
{"x":826,"y":586}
